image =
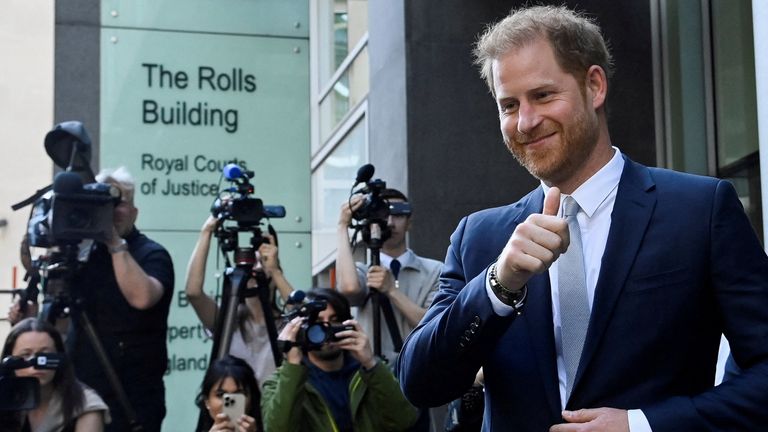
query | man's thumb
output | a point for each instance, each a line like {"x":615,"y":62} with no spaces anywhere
{"x":552,"y":202}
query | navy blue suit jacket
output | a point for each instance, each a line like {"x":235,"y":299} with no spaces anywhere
{"x":681,"y":265}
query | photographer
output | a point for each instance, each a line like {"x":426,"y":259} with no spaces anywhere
{"x":250,"y":340}
{"x":340,"y":387}
{"x":125,"y":288}
{"x":410,"y":289}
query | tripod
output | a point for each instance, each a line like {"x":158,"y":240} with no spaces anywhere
{"x":375,"y":236}
{"x":234,"y":292}
{"x":64,"y":304}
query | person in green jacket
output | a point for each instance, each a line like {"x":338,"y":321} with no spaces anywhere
{"x":338,"y":386}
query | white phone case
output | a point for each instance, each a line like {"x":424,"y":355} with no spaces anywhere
{"x":233,"y":406}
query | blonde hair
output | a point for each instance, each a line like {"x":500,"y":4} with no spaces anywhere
{"x":121,"y":178}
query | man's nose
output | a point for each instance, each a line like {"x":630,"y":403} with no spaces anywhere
{"x":527,"y":118}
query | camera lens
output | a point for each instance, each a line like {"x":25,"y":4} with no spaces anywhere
{"x":316,"y":334}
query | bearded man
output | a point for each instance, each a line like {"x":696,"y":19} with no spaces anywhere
{"x":338,"y":386}
{"x":597,"y":301}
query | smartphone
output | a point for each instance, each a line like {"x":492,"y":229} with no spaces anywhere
{"x":234,"y":406}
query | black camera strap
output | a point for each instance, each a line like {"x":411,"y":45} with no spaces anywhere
{"x":389,"y":316}
{"x":33,"y":198}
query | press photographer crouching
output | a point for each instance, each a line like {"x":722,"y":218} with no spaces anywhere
{"x":125,"y":288}
{"x":336,"y":385}
{"x":64,"y":402}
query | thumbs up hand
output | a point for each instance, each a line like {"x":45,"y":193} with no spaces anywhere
{"x":535,"y":244}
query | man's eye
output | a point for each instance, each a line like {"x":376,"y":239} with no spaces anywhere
{"x":508,"y":107}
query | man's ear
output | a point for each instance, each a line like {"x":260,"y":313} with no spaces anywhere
{"x":134,"y":213}
{"x":596,"y":85}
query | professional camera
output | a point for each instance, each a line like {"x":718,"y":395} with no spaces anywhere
{"x":23,"y":393}
{"x":374,"y":208}
{"x":73,"y":211}
{"x":374,"y":213}
{"x":239,"y":205}
{"x":313,"y":334}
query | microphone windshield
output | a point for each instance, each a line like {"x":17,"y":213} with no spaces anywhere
{"x":364,"y":173}
{"x":232,"y":171}
{"x":296,"y":297}
{"x":67,"y":182}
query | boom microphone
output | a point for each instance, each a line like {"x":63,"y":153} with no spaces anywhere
{"x":296,"y":297}
{"x":67,"y":182}
{"x":232,"y":171}
{"x":364,"y":173}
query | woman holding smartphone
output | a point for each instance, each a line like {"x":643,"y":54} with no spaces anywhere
{"x":231,"y":396}
{"x":65,"y":403}
{"x":250,"y":340}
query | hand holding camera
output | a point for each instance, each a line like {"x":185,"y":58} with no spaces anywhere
{"x":357,"y":343}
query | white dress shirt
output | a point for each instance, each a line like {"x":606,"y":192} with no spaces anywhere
{"x":596,"y":198}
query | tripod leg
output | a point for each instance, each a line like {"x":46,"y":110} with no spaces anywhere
{"x":375,"y":308}
{"x":234,"y":283}
{"x":264,"y":291}
{"x":114,"y":381}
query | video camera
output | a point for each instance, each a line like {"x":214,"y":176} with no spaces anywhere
{"x":72,"y":211}
{"x":239,"y":206}
{"x":312,"y":333}
{"x":23,"y":393}
{"x":66,"y":213}
{"x":375,"y":210}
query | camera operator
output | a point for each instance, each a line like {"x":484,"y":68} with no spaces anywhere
{"x":410,"y":293}
{"x":250,"y":340}
{"x":341,"y":386}
{"x":125,"y":288}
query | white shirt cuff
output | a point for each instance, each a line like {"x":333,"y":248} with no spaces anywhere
{"x":637,"y":421}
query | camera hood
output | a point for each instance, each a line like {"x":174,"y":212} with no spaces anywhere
{"x":69,"y":146}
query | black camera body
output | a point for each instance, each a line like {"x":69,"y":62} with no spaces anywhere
{"x":374,"y":207}
{"x":23,"y":393}
{"x":246,"y":211}
{"x":73,"y":212}
{"x":240,"y":206}
{"x":313,"y":333}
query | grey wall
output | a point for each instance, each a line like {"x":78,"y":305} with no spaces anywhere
{"x":77,"y":77}
{"x":433,"y":106}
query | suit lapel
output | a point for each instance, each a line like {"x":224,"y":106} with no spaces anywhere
{"x":635,"y":202}
{"x":538,"y":317}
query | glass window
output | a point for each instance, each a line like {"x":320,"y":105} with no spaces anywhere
{"x":349,"y":90}
{"x":710,"y":102}
{"x":684,"y":77}
{"x":331,"y":183}
{"x":342,"y":23}
{"x":736,"y":104}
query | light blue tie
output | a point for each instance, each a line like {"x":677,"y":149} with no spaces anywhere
{"x":574,"y":304}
